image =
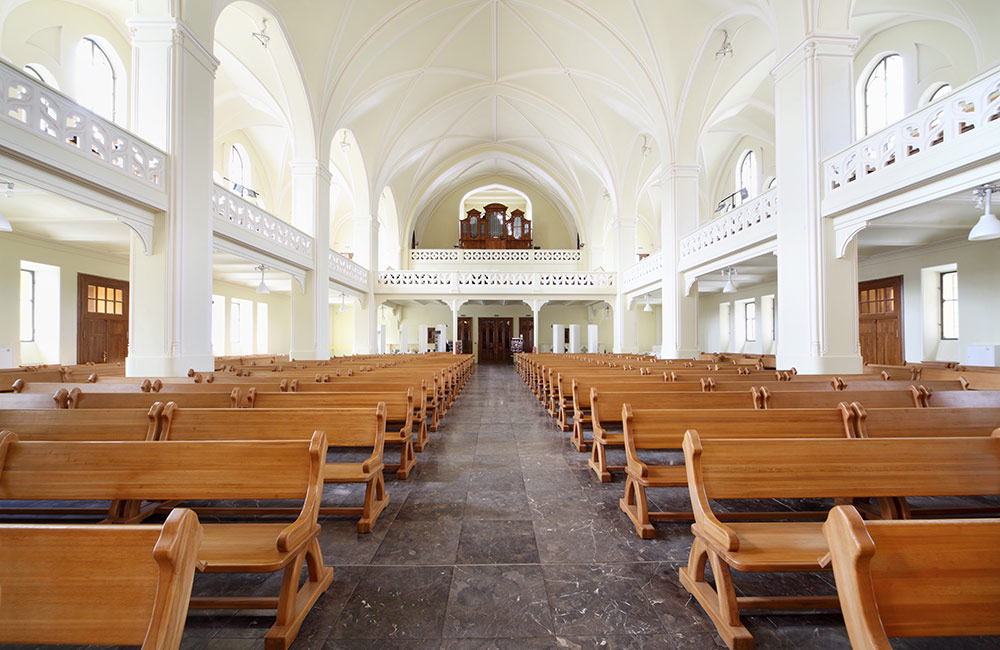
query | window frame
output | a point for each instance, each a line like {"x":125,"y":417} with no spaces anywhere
{"x":95,"y":46}
{"x":750,"y":321}
{"x":881,"y":64}
{"x":936,"y":95}
{"x":34,"y":322}
{"x":754,"y":186}
{"x":942,"y":302}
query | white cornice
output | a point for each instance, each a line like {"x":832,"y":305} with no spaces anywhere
{"x":828,"y":45}
{"x":152,"y":30}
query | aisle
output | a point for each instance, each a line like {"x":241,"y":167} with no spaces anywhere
{"x":502,"y":538}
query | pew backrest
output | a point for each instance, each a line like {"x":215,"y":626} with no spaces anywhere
{"x":964,"y":398}
{"x":83,"y":424}
{"x":925,"y":422}
{"x":606,"y":406}
{"x":792,"y":399}
{"x":198,"y":399}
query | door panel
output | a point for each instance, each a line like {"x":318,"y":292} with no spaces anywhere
{"x":880,"y":326}
{"x":526,"y":330}
{"x":102,"y":319}
{"x":494,"y":339}
{"x":465,"y":334}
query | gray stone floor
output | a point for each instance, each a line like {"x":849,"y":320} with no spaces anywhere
{"x":502,"y":538}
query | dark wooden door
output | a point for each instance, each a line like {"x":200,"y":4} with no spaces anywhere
{"x":880,"y":310}
{"x":526,"y":330}
{"x":465,"y":334}
{"x":102,"y":319}
{"x":494,"y":339}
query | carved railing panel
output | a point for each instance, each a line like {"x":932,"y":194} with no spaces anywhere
{"x":754,"y":213}
{"x":961,"y":115}
{"x":31,"y":105}
{"x":344,"y":267}
{"x":500,"y":256}
{"x":647,"y":270}
{"x":232,"y":209}
{"x":470,"y":281}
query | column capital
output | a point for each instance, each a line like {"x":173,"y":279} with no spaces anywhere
{"x":825,"y":45}
{"x":309,"y":168}
{"x":157,"y":30}
{"x":625,"y":222}
{"x":673,"y":171}
{"x":536,"y":305}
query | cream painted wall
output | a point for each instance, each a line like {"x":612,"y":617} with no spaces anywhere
{"x":548,"y":228}
{"x":71,"y":261}
{"x":724,"y":179}
{"x":709,"y":333}
{"x":48,"y":31}
{"x":978,"y":296}
{"x":342,"y":330}
{"x":279,"y":319}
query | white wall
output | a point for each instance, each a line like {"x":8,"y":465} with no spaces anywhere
{"x":279,"y":322}
{"x":709,"y":331}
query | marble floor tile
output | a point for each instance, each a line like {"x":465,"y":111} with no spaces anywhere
{"x":497,"y":542}
{"x":394,"y":603}
{"x":599,"y":599}
{"x":498,"y":601}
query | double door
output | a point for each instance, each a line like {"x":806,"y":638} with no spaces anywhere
{"x":494,"y":339}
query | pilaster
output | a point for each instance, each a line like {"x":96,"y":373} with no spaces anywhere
{"x":678,"y":218}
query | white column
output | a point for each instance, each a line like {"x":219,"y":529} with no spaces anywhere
{"x":558,"y":338}
{"x":442,"y":339}
{"x":404,"y":339}
{"x":536,"y":308}
{"x":817,"y":292}
{"x":366,"y":254}
{"x":170,"y":322}
{"x":574,"y":339}
{"x":310,"y":305}
{"x":455,"y":306}
{"x":422,"y":344}
{"x":625,"y":323}
{"x":593,"y":342}
{"x":679,"y":217}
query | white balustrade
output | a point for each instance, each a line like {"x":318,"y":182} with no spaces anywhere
{"x":522,"y":256}
{"x":31,"y":105}
{"x":962,"y":115}
{"x":647,"y":271}
{"x":233,"y":209}
{"x":717,"y":237}
{"x":343,"y":267}
{"x":471,"y":281}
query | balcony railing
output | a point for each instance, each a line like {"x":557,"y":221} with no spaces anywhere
{"x":232,"y":209}
{"x":647,"y":271}
{"x":31,"y":105}
{"x":530,"y":256}
{"x":493,"y":281}
{"x":749,"y":223}
{"x":962,"y":116}
{"x":344,"y":268}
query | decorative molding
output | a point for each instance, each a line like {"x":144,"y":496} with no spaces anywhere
{"x":38,"y":109}
{"x":347,"y":271}
{"x":713,"y":237}
{"x":240,"y":250}
{"x":834,"y":45}
{"x":455,"y":281}
{"x":143,"y":230}
{"x":233,"y":209}
{"x":963,"y":116}
{"x":647,"y":271}
{"x":525,"y":256}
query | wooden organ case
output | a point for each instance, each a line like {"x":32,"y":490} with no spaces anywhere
{"x":494,"y":228}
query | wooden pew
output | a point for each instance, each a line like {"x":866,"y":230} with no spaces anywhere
{"x":398,"y":414}
{"x":607,"y":409}
{"x":914,"y":578}
{"x":57,"y":400}
{"x":169,"y":471}
{"x":103,"y":585}
{"x":199,"y":399}
{"x":794,"y":399}
{"x":663,"y":430}
{"x":344,"y":428}
{"x":963,"y":399}
{"x":83,"y":424}
{"x":806,"y":469}
{"x":961,"y":422}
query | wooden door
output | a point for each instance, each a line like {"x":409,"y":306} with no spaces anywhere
{"x":465,"y":334}
{"x":102,"y":319}
{"x":526,"y":330}
{"x":494,"y":339}
{"x":880,"y":310}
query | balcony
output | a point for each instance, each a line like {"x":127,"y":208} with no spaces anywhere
{"x":438,"y":259}
{"x":648,"y":271}
{"x":752,"y":223}
{"x":51,"y":129}
{"x":346,"y":271}
{"x":957,"y":133}
{"x":488,"y":283}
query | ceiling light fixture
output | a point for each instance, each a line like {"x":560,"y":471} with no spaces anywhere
{"x":4,"y":222}
{"x":727,"y":47}
{"x":646,"y":149}
{"x":343,"y":305}
{"x":344,"y":144}
{"x":988,"y":226}
{"x":647,"y":307}
{"x":730,"y":285}
{"x":262,"y":287}
{"x":262,"y":36}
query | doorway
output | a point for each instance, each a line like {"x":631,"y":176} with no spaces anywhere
{"x":526,"y":330}
{"x":465,"y":334}
{"x":494,"y":339}
{"x":880,"y":309}
{"x":102,"y":319}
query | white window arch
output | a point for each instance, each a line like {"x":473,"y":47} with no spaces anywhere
{"x":41,"y":73}
{"x":239,"y":169}
{"x":939,"y":92}
{"x":100,"y":78}
{"x":882,"y":93}
{"x":747,"y":176}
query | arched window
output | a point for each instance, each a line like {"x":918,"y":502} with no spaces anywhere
{"x":773,"y":183}
{"x":98,"y":81}
{"x":942,"y":90}
{"x":748,"y":177}
{"x":239,"y":168}
{"x":41,"y":73}
{"x":883,"y":93}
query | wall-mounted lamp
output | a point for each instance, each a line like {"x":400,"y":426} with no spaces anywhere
{"x":727,"y":48}
{"x":988,"y":226}
{"x":647,"y":307}
{"x":262,"y":36}
{"x":262,"y":287}
{"x":343,"y":304}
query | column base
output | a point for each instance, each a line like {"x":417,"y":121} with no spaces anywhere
{"x":165,"y":366}
{"x":848,"y":364}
